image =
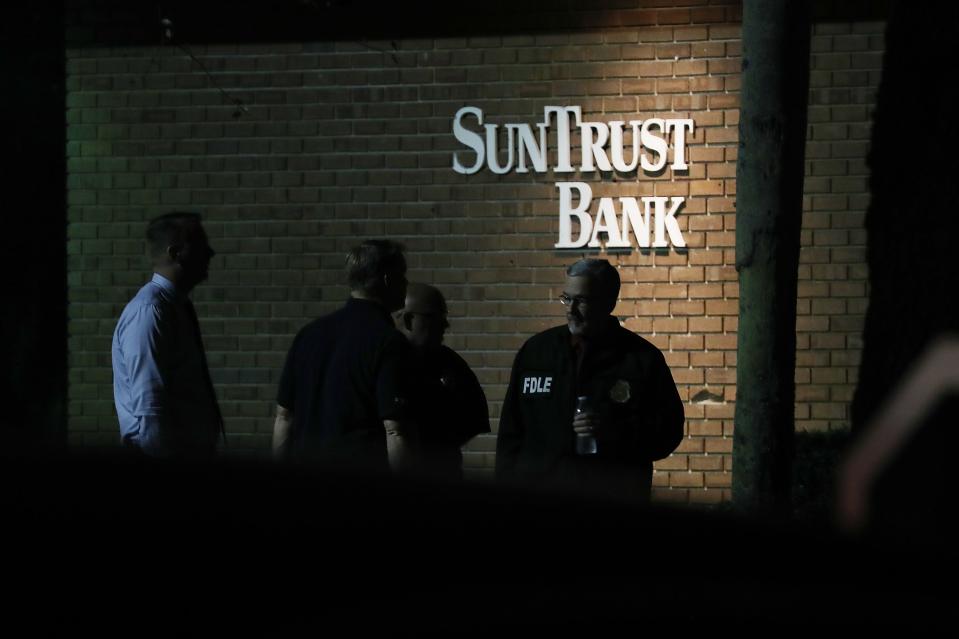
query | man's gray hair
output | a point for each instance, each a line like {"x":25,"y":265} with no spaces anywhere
{"x":601,"y":273}
{"x":367,"y":263}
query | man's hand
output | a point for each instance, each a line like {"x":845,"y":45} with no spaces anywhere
{"x":398,"y":448}
{"x":586,"y":424}
{"x":281,"y":431}
{"x":590,"y":423}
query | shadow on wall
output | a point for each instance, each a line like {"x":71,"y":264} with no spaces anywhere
{"x":815,"y":470}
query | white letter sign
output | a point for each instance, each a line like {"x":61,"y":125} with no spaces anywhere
{"x":517,"y":147}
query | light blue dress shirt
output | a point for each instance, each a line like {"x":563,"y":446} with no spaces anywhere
{"x":162,"y":397}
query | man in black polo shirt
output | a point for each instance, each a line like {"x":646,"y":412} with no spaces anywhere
{"x":632,"y":413}
{"x":342,"y":399}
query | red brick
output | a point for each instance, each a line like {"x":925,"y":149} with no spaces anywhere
{"x":706,"y":462}
{"x":706,"y":359}
{"x":690,"y":445}
{"x":686,"y":342}
{"x":691,"y":308}
{"x":673,"y":462}
{"x":686,"y":479}
{"x":661,"y":291}
{"x":690,"y":34}
{"x":672,"y":85}
{"x":654,"y":69}
{"x":718,"y":480}
{"x":670,"y":325}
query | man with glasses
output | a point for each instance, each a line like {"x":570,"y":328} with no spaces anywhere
{"x":449,"y":405}
{"x":590,"y":405}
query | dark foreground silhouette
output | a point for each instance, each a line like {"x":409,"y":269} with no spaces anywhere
{"x":98,"y":541}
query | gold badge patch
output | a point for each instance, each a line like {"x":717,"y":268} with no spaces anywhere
{"x":619,"y":393}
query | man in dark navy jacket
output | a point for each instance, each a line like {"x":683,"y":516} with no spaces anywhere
{"x":631,"y":413}
{"x":342,"y":399}
{"x":449,"y":404}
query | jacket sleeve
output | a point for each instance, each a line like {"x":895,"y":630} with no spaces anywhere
{"x":394,"y":378}
{"x":475,"y":410}
{"x":664,"y":416}
{"x":286,"y":391}
{"x":511,"y":432}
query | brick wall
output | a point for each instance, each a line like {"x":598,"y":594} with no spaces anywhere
{"x":340,"y":141}
{"x":845,"y":68}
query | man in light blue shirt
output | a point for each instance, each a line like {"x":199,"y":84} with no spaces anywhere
{"x":161,"y":382}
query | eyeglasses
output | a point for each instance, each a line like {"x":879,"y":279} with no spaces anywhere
{"x":568,"y":300}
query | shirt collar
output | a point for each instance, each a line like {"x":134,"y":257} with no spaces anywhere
{"x":167,"y":286}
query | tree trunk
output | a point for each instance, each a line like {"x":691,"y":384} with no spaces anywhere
{"x":769,"y":181}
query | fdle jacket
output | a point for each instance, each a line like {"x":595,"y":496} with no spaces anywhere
{"x":631,"y":388}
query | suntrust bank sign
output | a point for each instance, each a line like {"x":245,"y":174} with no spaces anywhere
{"x":651,"y":219}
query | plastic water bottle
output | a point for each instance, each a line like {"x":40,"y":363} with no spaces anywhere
{"x":585,"y":443}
